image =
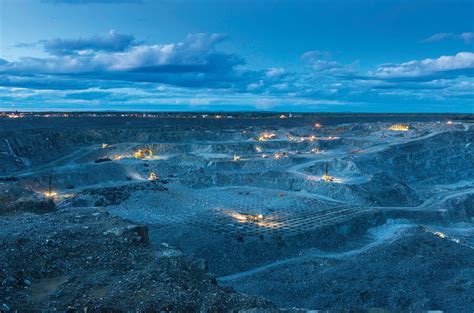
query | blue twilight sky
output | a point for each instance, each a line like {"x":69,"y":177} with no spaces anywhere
{"x":294,"y":55}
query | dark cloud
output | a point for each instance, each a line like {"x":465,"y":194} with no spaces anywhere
{"x":108,"y":54}
{"x":111,"y":42}
{"x":108,"y":42}
{"x":59,"y":82}
{"x":195,"y":62}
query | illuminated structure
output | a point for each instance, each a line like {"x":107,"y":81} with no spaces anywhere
{"x":245,"y":217}
{"x":301,"y":139}
{"x":278,"y":156}
{"x":266,"y":136}
{"x":12,"y":114}
{"x":50,"y":194}
{"x":326,"y":176}
{"x":399,"y":127}
{"x":144,"y":153}
{"x":254,"y":219}
{"x":440,"y":234}
{"x":293,"y":138}
{"x":152,"y":176}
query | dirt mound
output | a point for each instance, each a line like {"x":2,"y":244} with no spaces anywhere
{"x":15,"y":199}
{"x":113,"y":195}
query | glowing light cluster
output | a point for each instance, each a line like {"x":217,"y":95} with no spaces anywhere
{"x":50,"y":194}
{"x":294,"y":138}
{"x":244,"y":217}
{"x":329,"y":138}
{"x":14,"y":115}
{"x":56,"y":195}
{"x":399,"y":127}
{"x":266,"y":136}
{"x":301,"y":139}
{"x":152,"y":176}
{"x":256,"y":219}
{"x":311,"y":138}
{"x":440,"y":234}
{"x":279,"y":156}
{"x":145,"y":153}
{"x":327,"y":178}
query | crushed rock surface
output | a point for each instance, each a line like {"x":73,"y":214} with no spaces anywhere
{"x":84,"y":258}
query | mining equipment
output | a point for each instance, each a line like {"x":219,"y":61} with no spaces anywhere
{"x":326,"y":176}
{"x":145,"y":153}
{"x":101,"y":160}
{"x":152,"y":176}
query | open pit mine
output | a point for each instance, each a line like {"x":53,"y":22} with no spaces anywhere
{"x":236,"y":212}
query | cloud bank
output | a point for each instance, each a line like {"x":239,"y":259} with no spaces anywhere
{"x":429,"y":69}
{"x":114,"y":70}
